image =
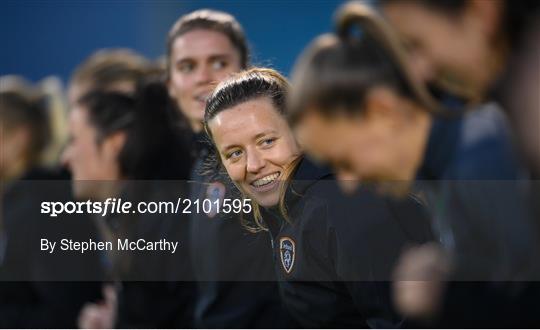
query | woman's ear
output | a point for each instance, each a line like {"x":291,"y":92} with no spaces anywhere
{"x":113,"y":144}
{"x":170,"y":88}
{"x":382,"y":103}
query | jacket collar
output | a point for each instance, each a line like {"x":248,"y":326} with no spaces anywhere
{"x":304,"y":176}
{"x":441,"y":148}
{"x":307,"y":173}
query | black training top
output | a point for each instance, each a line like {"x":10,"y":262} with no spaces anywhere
{"x":336,"y":255}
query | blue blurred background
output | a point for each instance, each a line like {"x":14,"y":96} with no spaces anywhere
{"x":44,"y":37}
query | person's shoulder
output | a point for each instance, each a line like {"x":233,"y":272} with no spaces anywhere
{"x":311,"y":181}
{"x":363,"y":208}
{"x":487,"y":123}
{"x":486,"y":149}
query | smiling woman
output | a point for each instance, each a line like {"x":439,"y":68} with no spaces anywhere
{"x":252,"y":138}
{"x":256,"y":146}
{"x":203,"y":48}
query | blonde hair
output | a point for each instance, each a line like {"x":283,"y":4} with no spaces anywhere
{"x":283,"y":186}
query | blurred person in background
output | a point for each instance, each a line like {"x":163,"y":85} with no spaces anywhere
{"x":121,"y":70}
{"x":121,"y":146}
{"x":112,"y":70}
{"x":34,"y":292}
{"x":203,"y":48}
{"x":524,"y":106}
{"x":473,"y":48}
{"x":25,"y":127}
{"x":233,"y":267}
{"x":523,"y":101}
{"x":468,"y":45}
{"x":477,"y":49}
{"x":358,"y":90}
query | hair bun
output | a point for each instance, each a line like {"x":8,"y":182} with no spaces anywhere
{"x":354,"y":13}
{"x":362,"y":16}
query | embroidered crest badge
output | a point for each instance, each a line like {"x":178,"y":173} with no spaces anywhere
{"x":287,"y":251}
{"x":215,"y":192}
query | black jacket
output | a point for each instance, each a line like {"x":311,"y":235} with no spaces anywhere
{"x":38,"y":289}
{"x":157,"y":288}
{"x":335,"y":254}
{"x":475,"y":184}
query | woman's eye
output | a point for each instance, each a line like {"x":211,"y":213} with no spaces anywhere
{"x":186,"y":67}
{"x":219,"y":64}
{"x":234,"y":155}
{"x":268,"y":142}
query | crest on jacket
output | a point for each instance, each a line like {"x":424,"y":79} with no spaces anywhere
{"x":287,"y":251}
{"x":215,"y":193}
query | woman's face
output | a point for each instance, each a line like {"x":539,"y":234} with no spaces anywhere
{"x":93,"y":165}
{"x":199,"y":60}
{"x":385,"y":143}
{"x":14,"y":146}
{"x":256,"y":146}
{"x":454,"y":49}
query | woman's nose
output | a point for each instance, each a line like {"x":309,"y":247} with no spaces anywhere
{"x":204,"y":75}
{"x":254,"y":162}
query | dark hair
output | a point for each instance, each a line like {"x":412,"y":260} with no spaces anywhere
{"x":516,"y":17}
{"x":154,"y":148}
{"x":21,"y":107}
{"x":109,"y":66}
{"x":336,"y":71}
{"x":207,"y":19}
{"x":246,"y":86}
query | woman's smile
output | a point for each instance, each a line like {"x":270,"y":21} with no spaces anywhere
{"x":266,"y":183}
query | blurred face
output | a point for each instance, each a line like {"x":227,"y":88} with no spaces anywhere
{"x":256,"y":145}
{"x":453,"y":49}
{"x":14,"y":146}
{"x":382,"y":144}
{"x":90,"y":163}
{"x":524,"y":103}
{"x":199,"y":60}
